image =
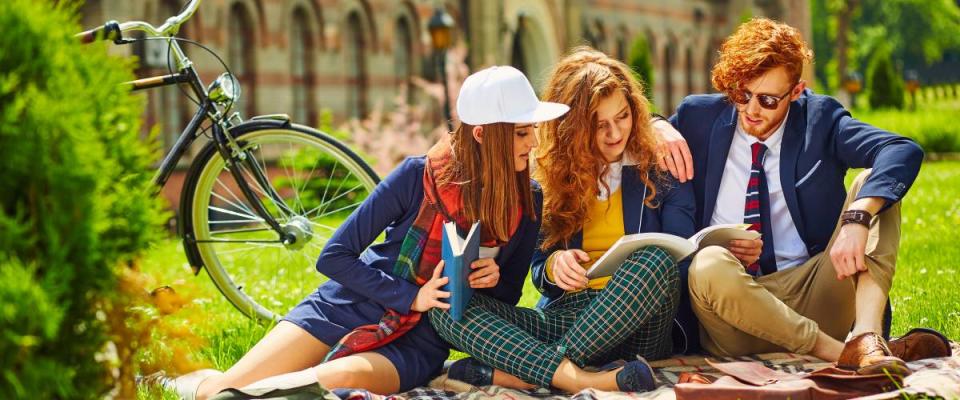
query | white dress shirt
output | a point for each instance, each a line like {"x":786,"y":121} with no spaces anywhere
{"x":787,"y":244}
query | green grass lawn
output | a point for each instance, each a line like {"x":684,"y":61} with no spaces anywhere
{"x":925,"y":289}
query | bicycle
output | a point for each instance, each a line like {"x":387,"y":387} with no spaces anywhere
{"x":275,"y":226}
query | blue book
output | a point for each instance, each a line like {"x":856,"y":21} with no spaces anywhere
{"x":458,"y":253}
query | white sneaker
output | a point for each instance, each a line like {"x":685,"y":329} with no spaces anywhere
{"x":186,"y":385}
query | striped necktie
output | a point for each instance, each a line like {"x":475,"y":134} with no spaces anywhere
{"x":752,"y":207}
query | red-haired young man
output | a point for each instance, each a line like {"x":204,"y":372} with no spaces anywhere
{"x":770,"y":153}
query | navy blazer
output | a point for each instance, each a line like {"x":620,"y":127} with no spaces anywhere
{"x":674,"y":215}
{"x":359,"y":273}
{"x":821,"y":141}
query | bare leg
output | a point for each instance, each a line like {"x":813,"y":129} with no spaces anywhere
{"x":826,"y":348}
{"x":871,"y":301}
{"x":286,"y":348}
{"x":370,"y":371}
{"x":572,"y":379}
{"x":503,"y":378}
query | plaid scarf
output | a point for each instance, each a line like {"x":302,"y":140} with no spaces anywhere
{"x":419,"y":254}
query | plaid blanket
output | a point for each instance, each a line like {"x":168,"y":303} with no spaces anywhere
{"x":939,"y":377}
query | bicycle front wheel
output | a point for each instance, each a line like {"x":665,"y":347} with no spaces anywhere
{"x":316,"y":183}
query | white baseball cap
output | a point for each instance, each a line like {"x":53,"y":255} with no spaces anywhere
{"x":503,"y":94}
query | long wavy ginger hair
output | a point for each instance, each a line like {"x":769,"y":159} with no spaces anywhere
{"x":569,"y":162}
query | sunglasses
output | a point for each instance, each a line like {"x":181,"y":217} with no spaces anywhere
{"x":767,"y":101}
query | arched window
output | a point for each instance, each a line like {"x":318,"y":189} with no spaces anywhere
{"x":302,"y":69}
{"x":355,"y":53}
{"x":518,"y":55}
{"x":171,"y":113}
{"x":403,"y":59}
{"x":621,"y":44}
{"x":689,"y":70}
{"x":240,"y":56}
{"x":709,"y":59}
{"x":669,"y":58}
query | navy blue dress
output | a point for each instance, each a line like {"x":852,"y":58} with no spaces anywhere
{"x":361,"y":286}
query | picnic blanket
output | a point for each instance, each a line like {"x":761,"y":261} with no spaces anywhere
{"x":931,"y":377}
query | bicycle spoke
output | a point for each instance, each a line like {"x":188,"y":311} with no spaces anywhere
{"x":339,"y":186}
{"x":251,"y":218}
{"x":260,"y":189}
{"x":227,"y":188}
{"x":236,"y":241}
{"x":340,"y":209}
{"x":256,"y":246}
{"x":293,"y":181}
{"x":250,"y":213}
{"x":319,"y":225}
{"x":327,"y":203}
{"x":240,"y":230}
{"x":327,"y":186}
{"x":307,"y":179}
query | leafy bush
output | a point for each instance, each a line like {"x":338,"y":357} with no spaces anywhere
{"x":886,"y":85}
{"x":642,"y":66}
{"x":75,"y":201}
{"x":933,"y":126}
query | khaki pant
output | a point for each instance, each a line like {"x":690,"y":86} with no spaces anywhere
{"x":783,"y":311}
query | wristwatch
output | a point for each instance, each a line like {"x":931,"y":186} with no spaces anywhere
{"x":856,"y":217}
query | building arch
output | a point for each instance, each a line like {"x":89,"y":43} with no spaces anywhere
{"x":669,"y":77}
{"x":532,"y":43}
{"x":314,"y":20}
{"x":355,"y":49}
{"x":302,"y":46}
{"x":242,"y":45}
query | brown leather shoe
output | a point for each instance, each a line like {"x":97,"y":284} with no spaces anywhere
{"x":920,"y":343}
{"x":868,"y":354}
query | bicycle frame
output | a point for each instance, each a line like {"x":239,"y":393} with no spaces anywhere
{"x":228,"y":148}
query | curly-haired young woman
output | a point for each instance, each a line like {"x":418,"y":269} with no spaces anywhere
{"x":600,"y":179}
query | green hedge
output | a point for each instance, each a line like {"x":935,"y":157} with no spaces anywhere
{"x":935,"y":128}
{"x":75,"y":201}
{"x":885,"y":84}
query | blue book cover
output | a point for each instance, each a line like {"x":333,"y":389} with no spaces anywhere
{"x":458,"y":253}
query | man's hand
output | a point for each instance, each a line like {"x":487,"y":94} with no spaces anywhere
{"x":747,"y":251}
{"x":674,"y":152}
{"x":486,"y":273}
{"x":430,"y":294}
{"x":567,"y":271}
{"x":849,"y":250}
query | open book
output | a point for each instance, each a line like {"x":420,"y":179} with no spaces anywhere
{"x":678,"y":247}
{"x":458,"y":253}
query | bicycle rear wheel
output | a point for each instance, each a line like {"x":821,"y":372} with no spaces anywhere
{"x":319,"y":181}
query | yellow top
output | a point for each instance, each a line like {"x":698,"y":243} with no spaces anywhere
{"x":603,"y":228}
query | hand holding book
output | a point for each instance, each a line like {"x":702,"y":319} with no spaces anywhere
{"x":568,"y":273}
{"x":486,"y":273}
{"x":747,"y":251}
{"x":430,"y":295}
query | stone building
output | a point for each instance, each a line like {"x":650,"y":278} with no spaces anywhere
{"x":301,"y":56}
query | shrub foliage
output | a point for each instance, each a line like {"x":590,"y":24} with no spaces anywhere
{"x":886,"y":85}
{"x":75,"y":201}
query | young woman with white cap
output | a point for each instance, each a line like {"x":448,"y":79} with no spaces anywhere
{"x":600,"y":181}
{"x":366,"y":327}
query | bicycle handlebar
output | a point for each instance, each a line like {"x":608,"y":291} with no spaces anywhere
{"x":113,"y":30}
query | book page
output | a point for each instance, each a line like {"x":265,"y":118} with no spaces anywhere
{"x":679,"y":248}
{"x":721,"y":235}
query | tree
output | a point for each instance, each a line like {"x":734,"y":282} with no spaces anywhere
{"x":918,"y":32}
{"x":885,"y":84}
{"x":75,"y":203}
{"x":642,"y":65}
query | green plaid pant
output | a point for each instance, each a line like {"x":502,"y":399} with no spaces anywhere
{"x":631,"y":316}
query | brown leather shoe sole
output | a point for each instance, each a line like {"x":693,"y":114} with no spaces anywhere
{"x":889,"y":366}
{"x":920,"y":343}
